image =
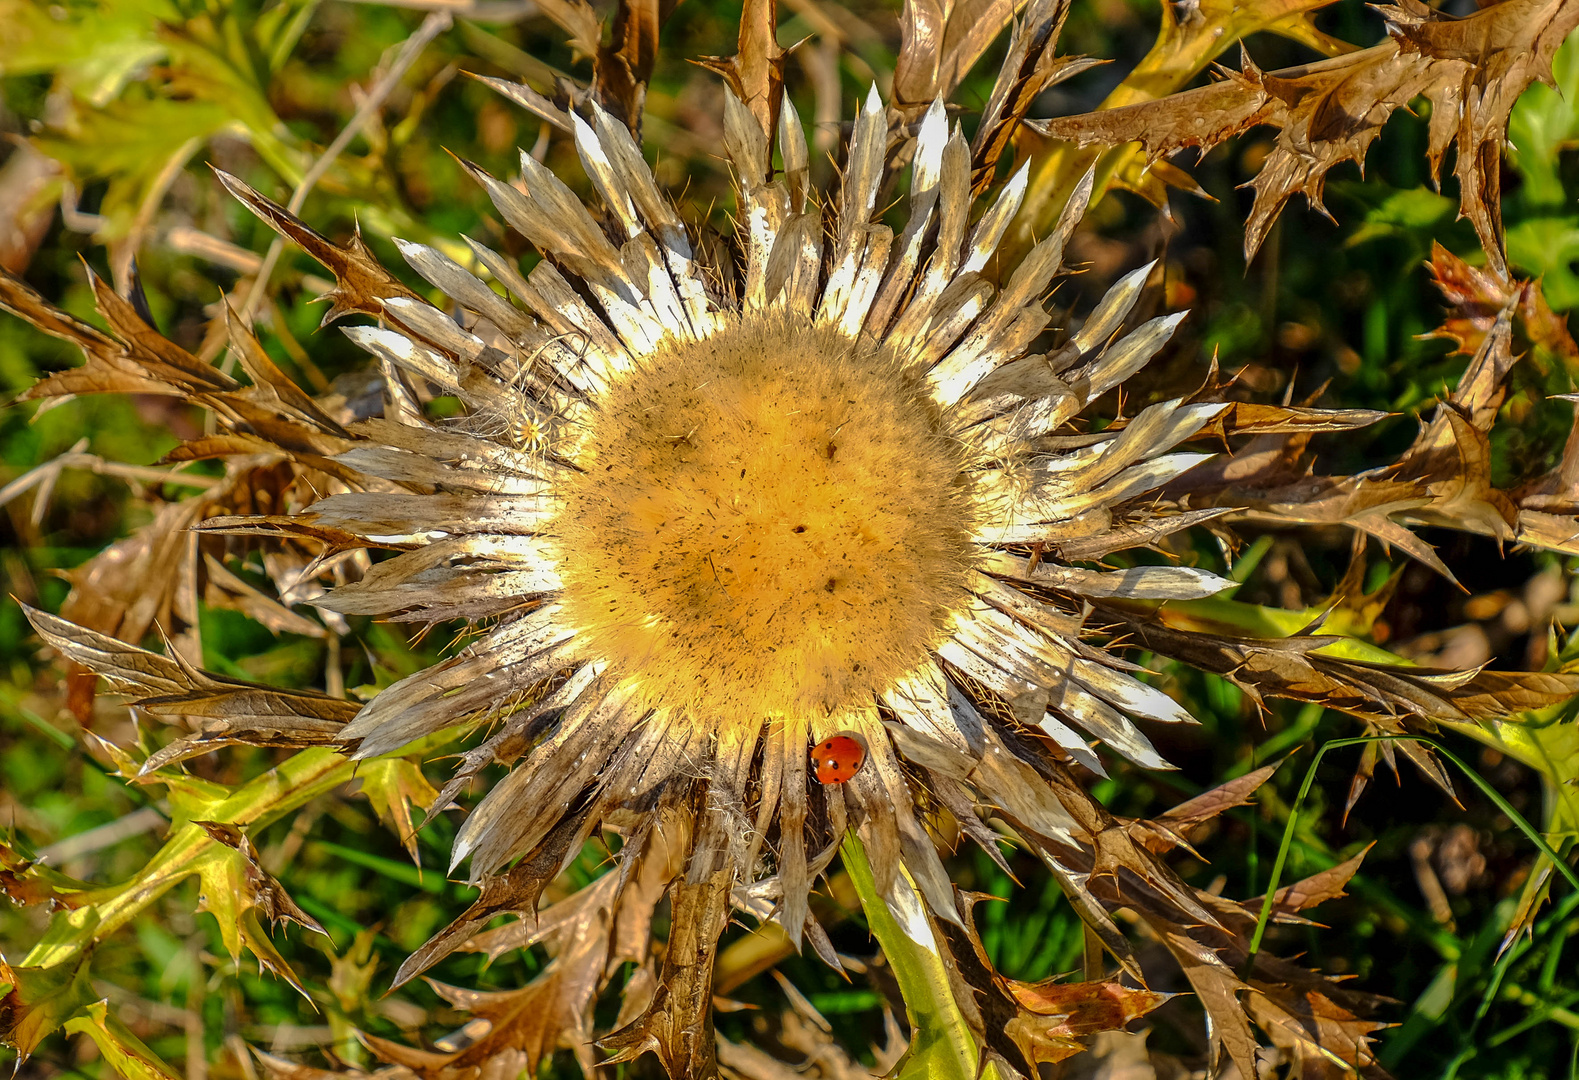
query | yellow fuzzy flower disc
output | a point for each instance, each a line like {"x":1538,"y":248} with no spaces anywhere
{"x":770,"y":520}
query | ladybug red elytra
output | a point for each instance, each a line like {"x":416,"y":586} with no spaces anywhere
{"x":838,"y":758}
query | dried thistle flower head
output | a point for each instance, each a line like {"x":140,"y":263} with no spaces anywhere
{"x":764,"y":519}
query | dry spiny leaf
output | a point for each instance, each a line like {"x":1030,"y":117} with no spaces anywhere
{"x":1470,"y":69}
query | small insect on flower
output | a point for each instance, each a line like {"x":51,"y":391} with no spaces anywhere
{"x":837,"y":758}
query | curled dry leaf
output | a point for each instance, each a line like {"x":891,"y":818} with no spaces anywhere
{"x":1053,"y":1016}
{"x":940,"y":41}
{"x":1168,"y":830}
{"x":362,"y":283}
{"x":1296,"y":667}
{"x":1479,"y":296}
{"x":621,"y":68}
{"x":590,"y":934}
{"x":156,"y":577}
{"x":1443,"y":479}
{"x":1031,"y":67}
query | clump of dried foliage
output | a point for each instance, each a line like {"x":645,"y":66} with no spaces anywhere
{"x":213,"y":742}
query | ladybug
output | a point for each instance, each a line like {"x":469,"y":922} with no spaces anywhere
{"x":835,"y":760}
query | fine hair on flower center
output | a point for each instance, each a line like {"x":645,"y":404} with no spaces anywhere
{"x":770,"y":521}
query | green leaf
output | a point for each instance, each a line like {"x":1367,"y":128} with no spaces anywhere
{"x":66,"y":936}
{"x":34,"y":1001}
{"x":95,"y":55}
{"x":1545,"y":119}
{"x":1413,"y":211}
{"x":125,"y":1052}
{"x":1548,"y":247}
{"x":394,"y":786}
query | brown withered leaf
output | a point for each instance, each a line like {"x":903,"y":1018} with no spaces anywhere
{"x":108,"y":369}
{"x":1364,"y":772}
{"x":756,"y":72}
{"x":157,"y":354}
{"x":1548,"y":503}
{"x":589,"y":934}
{"x":273,"y":412}
{"x":1501,"y":693}
{"x":1217,"y":987}
{"x":521,"y":1027}
{"x":278,"y":1068}
{"x":1207,"y":935}
{"x":578,"y":19}
{"x":1452,"y":462}
{"x":1137,"y":525}
{"x":1254,"y":418}
{"x":1053,"y":1016}
{"x":1325,"y":1040}
{"x":170,"y":686}
{"x":28,"y":180}
{"x":272,"y":388}
{"x":619,"y":80}
{"x":1030,"y":68}
{"x":226,"y":590}
{"x":516,"y":891}
{"x":1451,"y":459}
{"x":157,"y":576}
{"x":1443,"y":479}
{"x":142,"y":581}
{"x":1168,"y":830}
{"x":1320,"y":887}
{"x":1154,"y":180}
{"x":620,"y":69}
{"x":1322,"y":1023}
{"x":1292,"y":668}
{"x":1350,"y":598}
{"x":941,"y":40}
{"x":361,"y":282}
{"x":208,"y":447}
{"x":1270,"y":481}
{"x":1471,"y":70}
{"x":285,"y":525}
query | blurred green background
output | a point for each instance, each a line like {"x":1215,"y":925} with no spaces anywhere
{"x":113,"y":111}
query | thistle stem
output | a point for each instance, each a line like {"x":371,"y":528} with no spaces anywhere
{"x":942,"y":1046}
